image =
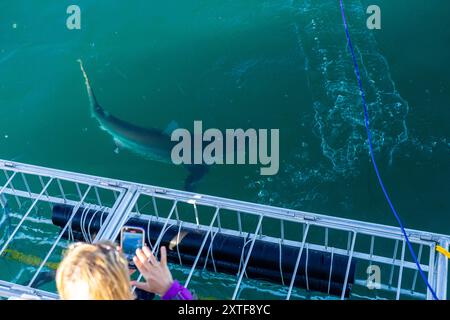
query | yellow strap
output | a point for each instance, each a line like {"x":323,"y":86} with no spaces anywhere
{"x":443,"y":251}
{"x":27,"y":259}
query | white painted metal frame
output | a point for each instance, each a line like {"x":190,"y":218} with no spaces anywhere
{"x":129,"y":193}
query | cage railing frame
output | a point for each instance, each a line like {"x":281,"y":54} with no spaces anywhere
{"x":129,"y":193}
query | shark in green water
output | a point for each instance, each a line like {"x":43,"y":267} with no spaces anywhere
{"x":152,"y":143}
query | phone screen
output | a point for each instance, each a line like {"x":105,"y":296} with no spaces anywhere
{"x":132,"y":239}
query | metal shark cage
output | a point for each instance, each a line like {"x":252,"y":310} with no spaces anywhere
{"x":298,"y":255}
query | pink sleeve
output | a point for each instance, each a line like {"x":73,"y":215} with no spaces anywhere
{"x":177,"y":292}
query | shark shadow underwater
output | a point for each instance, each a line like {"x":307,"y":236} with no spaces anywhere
{"x":152,"y":143}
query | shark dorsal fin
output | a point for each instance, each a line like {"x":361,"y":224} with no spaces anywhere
{"x":173,"y":125}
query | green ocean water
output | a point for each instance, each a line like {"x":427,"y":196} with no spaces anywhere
{"x":241,"y":64}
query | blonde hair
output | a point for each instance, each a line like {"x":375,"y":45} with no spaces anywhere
{"x":93,"y":272}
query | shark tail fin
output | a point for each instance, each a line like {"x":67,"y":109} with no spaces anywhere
{"x":92,"y":99}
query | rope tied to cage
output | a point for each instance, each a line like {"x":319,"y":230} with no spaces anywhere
{"x":372,"y":153}
{"x":443,"y":251}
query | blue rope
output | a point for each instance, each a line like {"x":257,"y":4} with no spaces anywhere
{"x":369,"y":138}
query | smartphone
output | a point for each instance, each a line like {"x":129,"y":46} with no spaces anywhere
{"x":131,"y":238}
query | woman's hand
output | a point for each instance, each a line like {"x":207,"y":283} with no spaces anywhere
{"x":158,"y":278}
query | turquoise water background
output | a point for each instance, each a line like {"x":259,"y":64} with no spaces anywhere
{"x":241,"y":64}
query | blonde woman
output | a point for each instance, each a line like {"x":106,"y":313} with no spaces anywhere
{"x":100,"y":272}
